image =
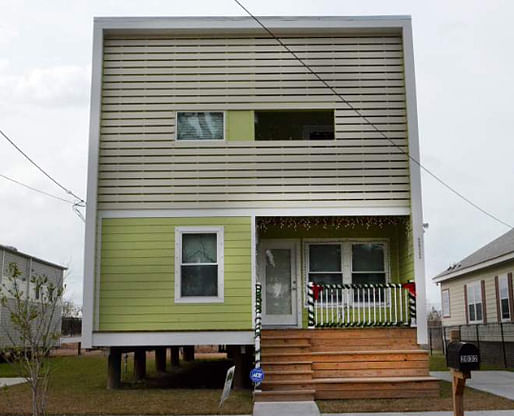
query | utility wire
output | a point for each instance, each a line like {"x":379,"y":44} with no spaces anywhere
{"x":81,"y":201}
{"x":36,"y":190}
{"x":370,"y":123}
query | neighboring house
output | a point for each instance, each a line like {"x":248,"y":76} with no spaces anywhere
{"x":217,"y":161}
{"x":30,"y":267}
{"x":478,"y":289}
{"x":477,"y":295}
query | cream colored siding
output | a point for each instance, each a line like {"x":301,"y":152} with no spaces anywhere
{"x":146,"y":80}
{"x":456,"y":287}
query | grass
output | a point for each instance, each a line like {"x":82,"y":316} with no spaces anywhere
{"x":473,"y":400}
{"x":77,"y":386}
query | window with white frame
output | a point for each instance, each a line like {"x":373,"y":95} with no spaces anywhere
{"x":199,"y":264}
{"x":200,"y":125}
{"x":336,"y":262}
{"x":368,"y":263}
{"x":325,"y":263}
{"x":475,"y":306}
{"x":503,"y":292}
{"x":445,"y":298}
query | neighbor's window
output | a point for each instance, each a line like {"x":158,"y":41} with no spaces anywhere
{"x":294,"y":125}
{"x":200,"y":125}
{"x":199,"y":264}
{"x":325,"y":263}
{"x":503,"y":289}
{"x":474,"y":294}
{"x":445,"y":295}
{"x":368,"y":263}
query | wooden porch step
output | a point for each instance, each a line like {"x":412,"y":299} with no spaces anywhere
{"x":276,"y":385}
{"x":284,"y":395}
{"x":286,"y":365}
{"x":376,"y":387}
{"x":289,"y":375}
{"x":270,"y":349}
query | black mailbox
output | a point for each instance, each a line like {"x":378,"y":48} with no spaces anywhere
{"x":462,"y":356}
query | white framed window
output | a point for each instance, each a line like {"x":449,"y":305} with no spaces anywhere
{"x":199,"y":270}
{"x":445,"y":301}
{"x":475,"y":305}
{"x":325,"y":262}
{"x":368,"y":262}
{"x":200,"y":125}
{"x":503,"y":293}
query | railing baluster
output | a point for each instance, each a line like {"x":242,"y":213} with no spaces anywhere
{"x":332,"y":305}
{"x":380,"y":304}
{"x":395,"y":307}
{"x":374,"y":306}
{"x":390,"y":305}
{"x":368,"y":300}
{"x":407,"y":314}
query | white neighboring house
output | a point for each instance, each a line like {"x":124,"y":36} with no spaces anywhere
{"x":479,"y":288}
{"x":29,"y":267}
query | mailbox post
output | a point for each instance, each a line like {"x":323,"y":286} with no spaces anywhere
{"x":461,"y":358}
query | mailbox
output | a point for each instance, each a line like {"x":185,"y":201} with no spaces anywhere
{"x":462,"y":356}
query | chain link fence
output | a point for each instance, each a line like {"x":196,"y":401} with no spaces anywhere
{"x":494,"y":340}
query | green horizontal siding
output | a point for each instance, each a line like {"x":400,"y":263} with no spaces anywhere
{"x":137,"y":287}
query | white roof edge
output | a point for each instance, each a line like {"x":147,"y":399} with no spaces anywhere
{"x":191,"y":23}
{"x":475,"y":267}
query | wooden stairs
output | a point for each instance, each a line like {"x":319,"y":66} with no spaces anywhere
{"x":364,"y":363}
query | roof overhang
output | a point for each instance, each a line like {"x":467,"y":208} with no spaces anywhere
{"x":283,"y":25}
{"x":488,"y":263}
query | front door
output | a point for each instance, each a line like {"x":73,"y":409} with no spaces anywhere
{"x":278,"y":276}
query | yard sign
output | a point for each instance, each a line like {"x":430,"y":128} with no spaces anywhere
{"x":228,"y":384}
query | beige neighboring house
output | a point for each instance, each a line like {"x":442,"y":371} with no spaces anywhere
{"x":479,"y":288}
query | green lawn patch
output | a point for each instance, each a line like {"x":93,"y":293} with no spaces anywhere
{"x":77,"y":386}
{"x":473,"y":400}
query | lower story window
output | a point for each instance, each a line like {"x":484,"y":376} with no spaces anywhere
{"x":199,"y":264}
{"x":325,"y":263}
{"x":504,"y":297}
{"x":474,"y":295}
{"x":368,"y":263}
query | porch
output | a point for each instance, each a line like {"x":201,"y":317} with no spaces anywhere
{"x":335,"y":314}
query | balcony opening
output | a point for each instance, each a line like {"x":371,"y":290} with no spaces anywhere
{"x":294,"y":125}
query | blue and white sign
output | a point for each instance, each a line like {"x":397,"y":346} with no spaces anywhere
{"x":257,"y":375}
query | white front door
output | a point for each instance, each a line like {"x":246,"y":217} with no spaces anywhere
{"x":278,"y":274}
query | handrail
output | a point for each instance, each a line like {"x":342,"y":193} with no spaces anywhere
{"x":361,"y":305}
{"x":258,"y":325}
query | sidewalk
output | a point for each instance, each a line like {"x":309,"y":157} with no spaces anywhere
{"x":500,"y":383}
{"x":11,"y":381}
{"x":467,"y":413}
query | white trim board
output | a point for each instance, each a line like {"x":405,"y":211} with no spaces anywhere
{"x":136,"y":339}
{"x":258,"y":212}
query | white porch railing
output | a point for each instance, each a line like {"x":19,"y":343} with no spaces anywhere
{"x":366,"y":305}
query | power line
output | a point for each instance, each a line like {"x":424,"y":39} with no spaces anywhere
{"x":36,"y":190}
{"x":40,"y":168}
{"x":370,"y":123}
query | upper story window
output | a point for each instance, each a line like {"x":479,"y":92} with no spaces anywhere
{"x":503,"y":292}
{"x":294,"y":125}
{"x":200,"y":125}
{"x":475,"y":305}
{"x":199,"y":264}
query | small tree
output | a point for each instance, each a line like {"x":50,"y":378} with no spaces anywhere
{"x":34,"y":329}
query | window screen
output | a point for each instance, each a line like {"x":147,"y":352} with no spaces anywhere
{"x":325,"y":265}
{"x":200,"y":126}
{"x":199,"y":268}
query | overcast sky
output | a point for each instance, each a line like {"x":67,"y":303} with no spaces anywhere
{"x":464,"y":71}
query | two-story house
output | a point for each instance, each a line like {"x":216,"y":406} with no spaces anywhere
{"x":218,"y":164}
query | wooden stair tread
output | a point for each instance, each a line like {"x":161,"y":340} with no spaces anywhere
{"x":373,"y":379}
{"x":402,"y":351}
{"x":285,"y":346}
{"x":288,"y":392}
{"x":290,"y":372}
{"x":292,"y":362}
